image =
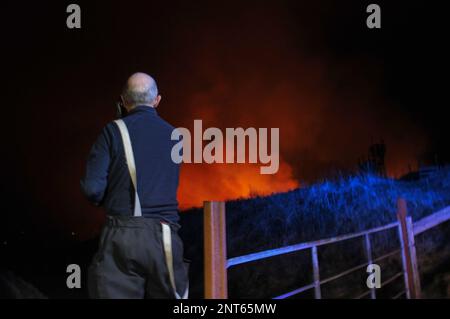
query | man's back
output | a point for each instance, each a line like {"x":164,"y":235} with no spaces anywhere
{"x":140,"y":253}
{"x":157,"y":174}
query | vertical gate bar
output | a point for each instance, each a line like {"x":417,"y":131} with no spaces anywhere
{"x":315,"y":262}
{"x":215,"y":250}
{"x":368,"y":246}
{"x":404,"y":262}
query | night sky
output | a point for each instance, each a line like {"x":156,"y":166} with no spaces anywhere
{"x":313,"y":69}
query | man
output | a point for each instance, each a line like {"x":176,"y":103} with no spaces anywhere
{"x":131,"y":174}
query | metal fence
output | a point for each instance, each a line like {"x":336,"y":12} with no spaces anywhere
{"x":216,"y":262}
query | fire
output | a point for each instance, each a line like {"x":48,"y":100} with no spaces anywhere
{"x":201,"y":182}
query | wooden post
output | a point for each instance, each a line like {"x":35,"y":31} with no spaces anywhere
{"x":215,"y":250}
{"x":316,"y":273}
{"x":373,"y":294}
{"x":410,"y":268}
{"x":414,"y":263}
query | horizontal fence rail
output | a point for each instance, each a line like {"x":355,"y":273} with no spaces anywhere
{"x":297,"y":247}
{"x":431,"y":221}
{"x":406,"y":232}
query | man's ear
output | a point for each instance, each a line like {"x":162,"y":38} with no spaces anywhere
{"x":156,"y":102}
{"x":125,"y":104}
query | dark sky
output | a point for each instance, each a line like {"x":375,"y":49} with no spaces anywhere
{"x":311,"y":68}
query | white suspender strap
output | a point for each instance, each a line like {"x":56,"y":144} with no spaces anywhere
{"x":166,"y":231}
{"x":130,"y":163}
{"x":167,"y":243}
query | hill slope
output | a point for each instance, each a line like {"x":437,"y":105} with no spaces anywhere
{"x":323,"y":210}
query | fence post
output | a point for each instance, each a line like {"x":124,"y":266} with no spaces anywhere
{"x":414,"y":263}
{"x":408,"y":248}
{"x":315,"y":262}
{"x":215,"y":250}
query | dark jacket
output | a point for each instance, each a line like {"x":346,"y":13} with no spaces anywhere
{"x":107,"y":181}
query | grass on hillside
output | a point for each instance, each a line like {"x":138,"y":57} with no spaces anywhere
{"x":327,"y":209}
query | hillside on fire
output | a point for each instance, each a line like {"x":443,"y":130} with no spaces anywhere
{"x":330,"y":208}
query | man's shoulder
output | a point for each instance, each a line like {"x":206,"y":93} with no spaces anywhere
{"x":110,"y":128}
{"x":164,"y":124}
{"x":167,"y":124}
{"x":110,"y":132}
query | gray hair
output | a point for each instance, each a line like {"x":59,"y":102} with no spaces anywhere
{"x":142,"y":94}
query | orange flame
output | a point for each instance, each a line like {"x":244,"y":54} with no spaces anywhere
{"x":201,"y":182}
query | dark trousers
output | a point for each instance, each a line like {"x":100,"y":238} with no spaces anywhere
{"x":131,"y":263}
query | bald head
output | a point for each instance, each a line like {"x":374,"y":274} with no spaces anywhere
{"x":140,"y":89}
